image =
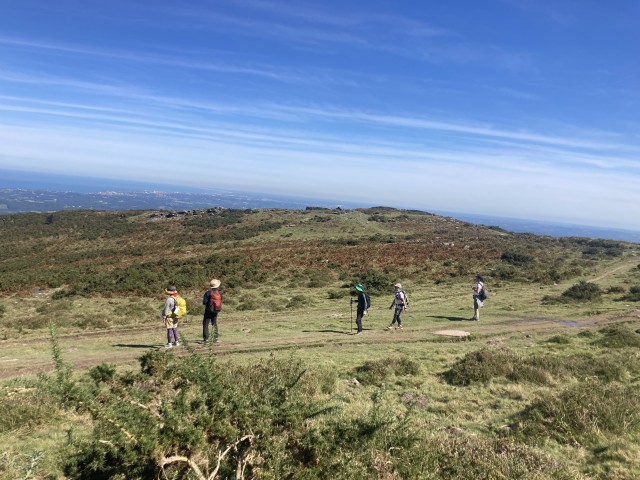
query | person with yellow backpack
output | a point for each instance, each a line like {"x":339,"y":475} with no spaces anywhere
{"x":175,"y":307}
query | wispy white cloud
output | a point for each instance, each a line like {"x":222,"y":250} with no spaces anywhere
{"x":313,"y":95}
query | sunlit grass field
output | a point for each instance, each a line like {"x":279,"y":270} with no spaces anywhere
{"x":544,"y":386}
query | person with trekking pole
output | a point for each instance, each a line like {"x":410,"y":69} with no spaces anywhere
{"x":363,"y":305}
{"x":401,"y":302}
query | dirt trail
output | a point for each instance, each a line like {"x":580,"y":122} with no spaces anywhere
{"x":124,"y":346}
{"x":627,"y":264}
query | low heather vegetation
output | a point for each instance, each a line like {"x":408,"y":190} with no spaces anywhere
{"x":545,"y":386}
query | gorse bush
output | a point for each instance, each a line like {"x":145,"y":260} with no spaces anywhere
{"x":583,"y":291}
{"x":375,"y":282}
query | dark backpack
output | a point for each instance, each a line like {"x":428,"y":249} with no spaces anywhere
{"x":482,"y":294}
{"x":368,"y":300}
{"x":215,"y":301}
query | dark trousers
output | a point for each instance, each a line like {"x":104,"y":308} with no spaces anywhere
{"x":396,"y":315}
{"x":213,"y":318}
{"x":359,"y":315}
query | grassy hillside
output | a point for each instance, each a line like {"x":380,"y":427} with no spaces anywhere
{"x":544,"y":386}
{"x":264,"y":259}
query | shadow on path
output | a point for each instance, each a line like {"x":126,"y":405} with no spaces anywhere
{"x":327,"y":331}
{"x":451,"y":319}
{"x":135,"y":345}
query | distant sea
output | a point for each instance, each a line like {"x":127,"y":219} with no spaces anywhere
{"x":553,"y":229}
{"x":84,"y":192}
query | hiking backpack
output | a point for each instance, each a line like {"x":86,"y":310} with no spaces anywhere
{"x":399,"y":297}
{"x":368,"y":300}
{"x":180,"y":307}
{"x":215,"y":301}
{"x":482,"y":294}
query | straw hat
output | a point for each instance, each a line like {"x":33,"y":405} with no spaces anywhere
{"x":170,"y":290}
{"x":397,"y":285}
{"x":215,"y":283}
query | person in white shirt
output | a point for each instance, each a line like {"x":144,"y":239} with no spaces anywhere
{"x":477,"y":303}
{"x":401,"y":302}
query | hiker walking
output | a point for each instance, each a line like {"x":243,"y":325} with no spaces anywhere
{"x":363,"y":305}
{"x":479,"y":296}
{"x":170,"y":316}
{"x":401,"y":303}
{"x":212,"y":302}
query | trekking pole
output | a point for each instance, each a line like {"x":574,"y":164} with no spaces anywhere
{"x":351,"y":304}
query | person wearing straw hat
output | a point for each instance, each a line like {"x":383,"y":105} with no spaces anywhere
{"x":401,"y":302}
{"x":170,"y":317}
{"x":212,"y":302}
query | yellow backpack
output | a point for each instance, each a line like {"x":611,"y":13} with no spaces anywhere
{"x":180,"y":309}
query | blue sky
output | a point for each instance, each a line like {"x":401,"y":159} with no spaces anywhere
{"x":520,"y":108}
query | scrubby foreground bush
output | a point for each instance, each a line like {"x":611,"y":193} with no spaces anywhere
{"x":194,"y":417}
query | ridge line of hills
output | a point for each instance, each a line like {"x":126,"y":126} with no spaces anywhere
{"x":20,"y":200}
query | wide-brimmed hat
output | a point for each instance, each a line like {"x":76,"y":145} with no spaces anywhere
{"x":215,"y":283}
{"x":397,"y":285}
{"x":359,"y":287}
{"x":170,"y":290}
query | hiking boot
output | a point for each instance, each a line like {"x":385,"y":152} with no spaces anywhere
{"x":473,"y":319}
{"x":177,"y":344}
{"x":205,"y":341}
{"x":390,"y":327}
{"x":399,"y":327}
{"x":168,"y":345}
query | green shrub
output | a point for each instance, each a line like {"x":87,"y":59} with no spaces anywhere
{"x":618,"y":336}
{"x":559,"y":339}
{"x":337,"y":294}
{"x":633,"y":295}
{"x":582,"y":413}
{"x":375,"y":282}
{"x":583,"y":291}
{"x":59,"y":294}
{"x":514,"y":258}
{"x":481,"y":366}
{"x":616,"y":289}
{"x":484,"y":365}
{"x":374,"y":372}
{"x":102,"y":373}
